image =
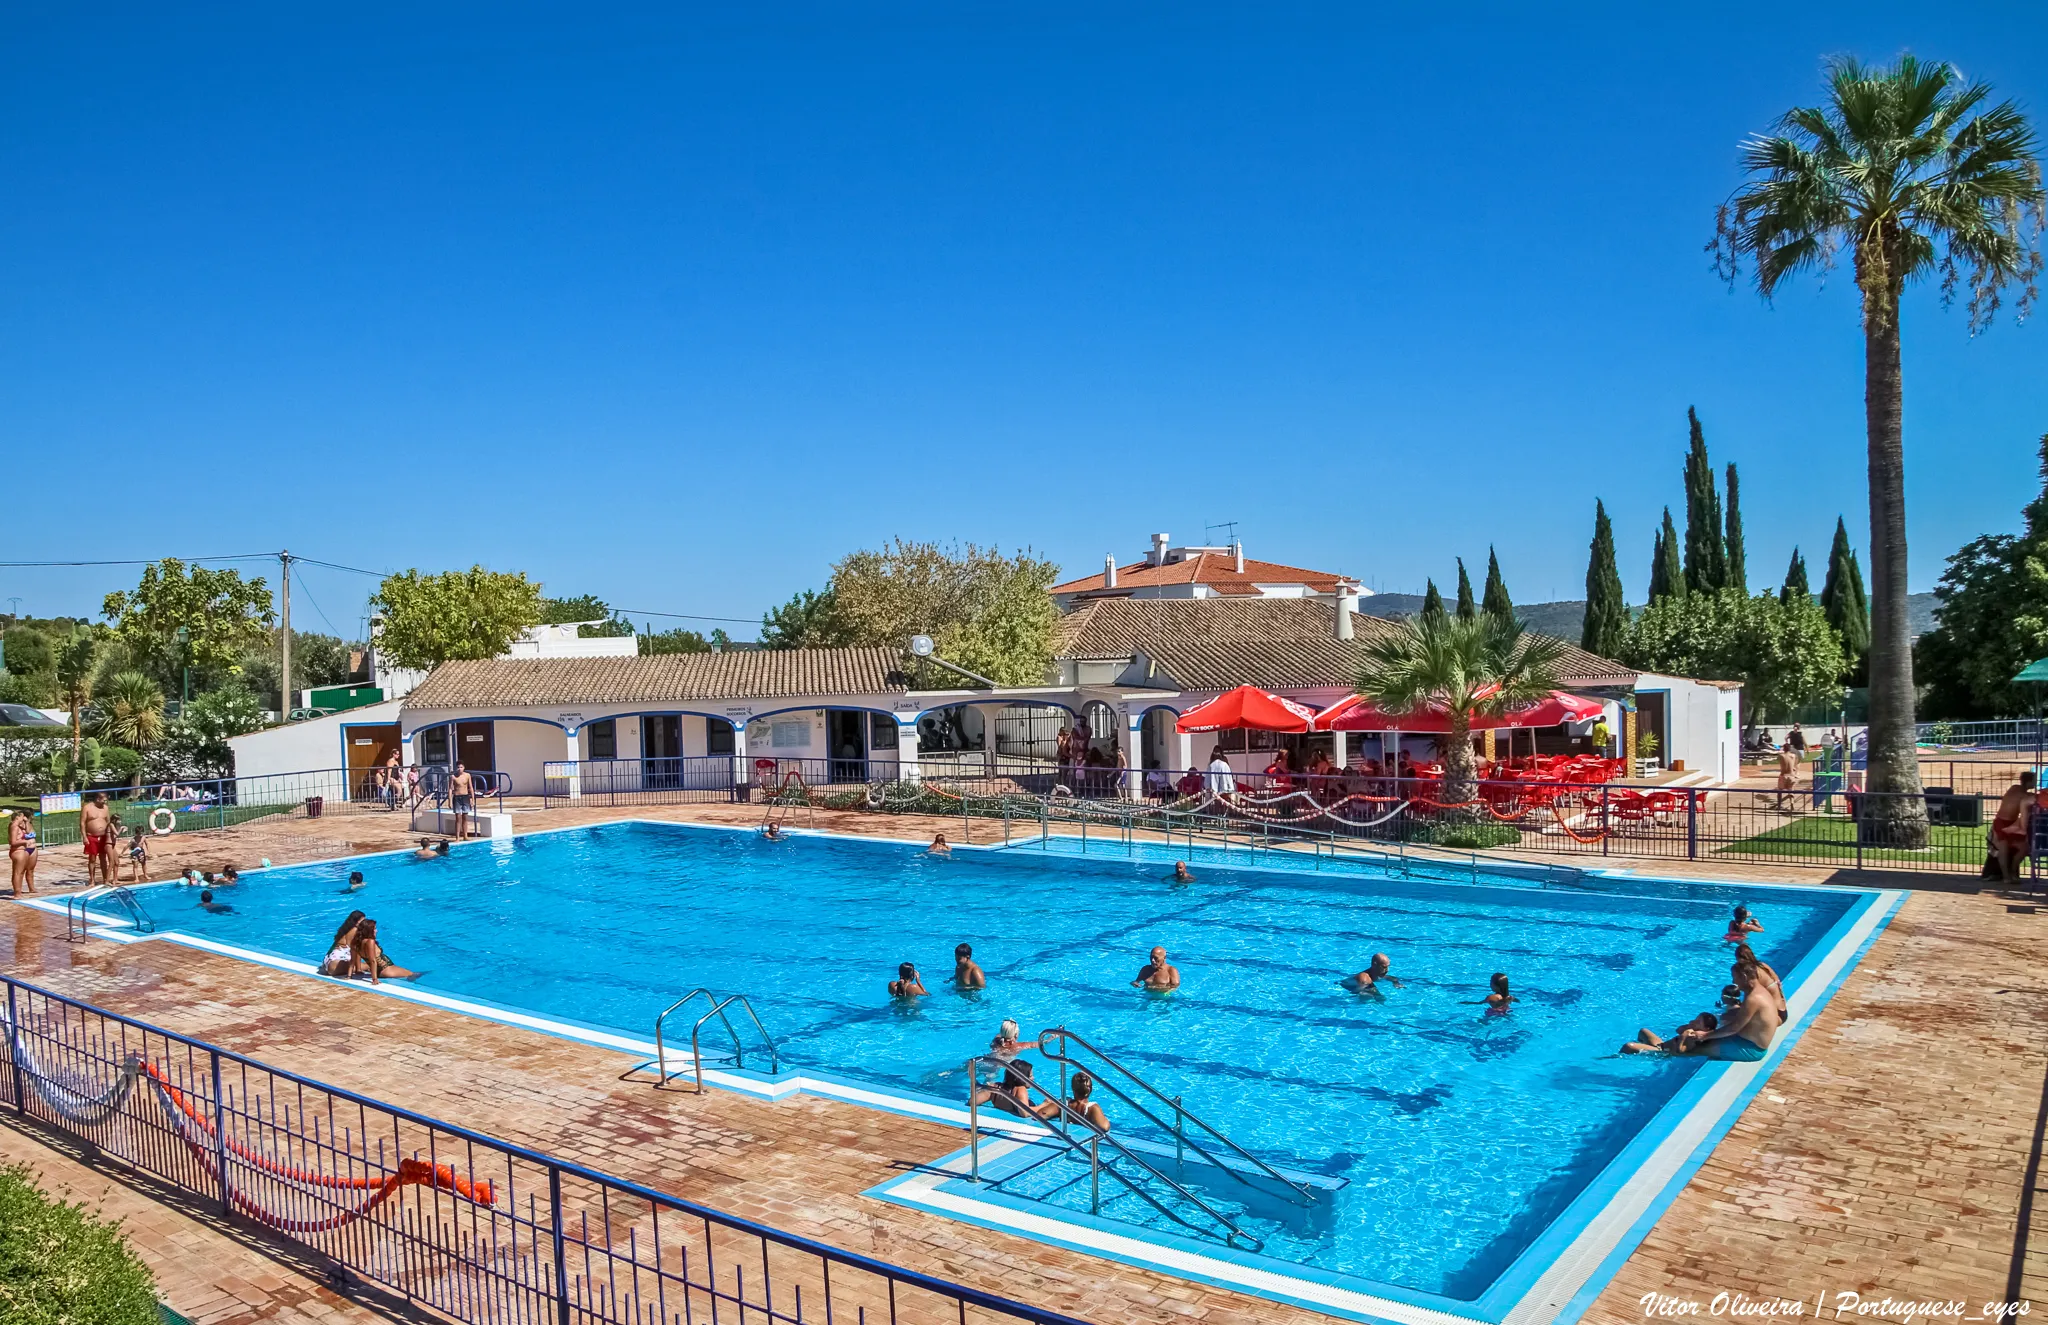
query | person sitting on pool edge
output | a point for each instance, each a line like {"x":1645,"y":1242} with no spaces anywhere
{"x":1370,"y":979}
{"x":967,"y":975}
{"x":1498,"y":1000}
{"x":1078,"y":1104}
{"x":339,"y":959}
{"x":906,"y":984}
{"x":1679,"y":1041}
{"x":1745,"y":1032}
{"x":940,"y":846}
{"x":366,"y":956}
{"x":1157,"y":975}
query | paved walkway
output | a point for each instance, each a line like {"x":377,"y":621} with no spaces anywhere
{"x":1886,"y":1157}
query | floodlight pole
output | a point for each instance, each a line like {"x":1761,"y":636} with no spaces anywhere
{"x":284,"y":661}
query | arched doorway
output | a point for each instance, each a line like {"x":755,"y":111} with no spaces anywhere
{"x":1158,"y":742}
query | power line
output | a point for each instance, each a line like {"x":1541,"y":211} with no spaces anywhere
{"x":314,"y":601}
{"x":686,"y":616}
{"x":149,"y":561}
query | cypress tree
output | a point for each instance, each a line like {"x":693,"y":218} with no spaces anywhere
{"x":1667,"y":577}
{"x":1494,"y":601}
{"x":1843,"y":599}
{"x":1467,"y":609}
{"x":1432,"y":604}
{"x":1796,"y":587}
{"x":1706,"y":558}
{"x":1606,"y":602}
{"x":1738,"y":565}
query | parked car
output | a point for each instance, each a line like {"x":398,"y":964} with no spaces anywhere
{"x":21,"y":715}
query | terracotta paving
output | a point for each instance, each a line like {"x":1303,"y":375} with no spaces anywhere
{"x":1887,"y":1155}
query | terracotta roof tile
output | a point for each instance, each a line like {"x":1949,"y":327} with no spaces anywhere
{"x":1275,"y":643}
{"x":1211,"y":568}
{"x":664,"y":678}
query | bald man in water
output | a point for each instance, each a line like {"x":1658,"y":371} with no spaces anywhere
{"x":1157,"y":975}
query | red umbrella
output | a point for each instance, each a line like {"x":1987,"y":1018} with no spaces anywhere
{"x":1359,"y":714}
{"x":1248,"y":708}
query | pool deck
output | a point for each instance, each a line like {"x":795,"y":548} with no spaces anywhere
{"x":1885,"y":1157}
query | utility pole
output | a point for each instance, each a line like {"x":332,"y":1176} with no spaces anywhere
{"x":284,"y":662}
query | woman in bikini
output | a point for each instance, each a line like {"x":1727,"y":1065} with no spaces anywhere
{"x":21,"y":853}
{"x":1766,"y":979}
{"x":1741,"y":925}
{"x":369,"y":958}
{"x":340,"y":959}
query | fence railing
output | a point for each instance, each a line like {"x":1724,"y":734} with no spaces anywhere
{"x":187,"y":805}
{"x":2017,"y":734}
{"x":474,"y":1228}
{"x":701,"y":778}
{"x":1822,"y":823}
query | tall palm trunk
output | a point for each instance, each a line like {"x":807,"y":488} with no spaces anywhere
{"x":1894,"y":753}
{"x":1461,"y":774}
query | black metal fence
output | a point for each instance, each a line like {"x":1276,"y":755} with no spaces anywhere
{"x":471,"y":1227}
{"x":185,"y":805}
{"x":1818,"y":824}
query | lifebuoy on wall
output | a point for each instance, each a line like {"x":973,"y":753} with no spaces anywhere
{"x":162,"y":829}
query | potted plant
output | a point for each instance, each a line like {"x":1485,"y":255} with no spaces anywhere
{"x":1646,"y":754}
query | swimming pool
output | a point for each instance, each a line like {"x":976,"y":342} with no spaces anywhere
{"x":1450,"y":1143}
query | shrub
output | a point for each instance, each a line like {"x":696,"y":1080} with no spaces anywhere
{"x":62,"y":1265}
{"x":1467,"y":837}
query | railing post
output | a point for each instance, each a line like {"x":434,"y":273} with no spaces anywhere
{"x":1692,"y":824}
{"x":973,"y":1126}
{"x":1095,"y":1174}
{"x":1179,"y":1134}
{"x":220,"y":1138}
{"x":1606,"y":823}
{"x":561,"y":1246}
{"x":14,"y":1051}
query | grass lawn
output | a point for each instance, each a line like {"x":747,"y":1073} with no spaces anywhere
{"x":1831,"y":837}
{"x":57,"y":830}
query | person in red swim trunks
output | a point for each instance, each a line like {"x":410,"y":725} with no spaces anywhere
{"x":94,"y":824}
{"x":2013,"y":826}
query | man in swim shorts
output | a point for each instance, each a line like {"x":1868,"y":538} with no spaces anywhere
{"x":1373,"y":976}
{"x":1745,"y":1032}
{"x":2012,"y":828}
{"x":967,"y":975}
{"x":1157,"y":975}
{"x":462,"y":799}
{"x":95,"y":824}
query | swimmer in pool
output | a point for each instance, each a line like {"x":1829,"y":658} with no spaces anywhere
{"x":1372,"y":977}
{"x":967,"y":975}
{"x":1500,"y":998}
{"x":212,"y":907}
{"x":1157,"y":975}
{"x":906,"y":984}
{"x":431,"y":850}
{"x":1680,"y":1041}
{"x":355,"y":882}
{"x":1180,"y":872}
{"x":230,"y":876}
{"x":1741,"y":925}
{"x":939,"y":846}
{"x":773,"y":832}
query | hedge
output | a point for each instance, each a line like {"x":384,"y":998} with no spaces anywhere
{"x":62,"y":1265}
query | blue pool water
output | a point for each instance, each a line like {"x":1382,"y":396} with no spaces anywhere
{"x":1460,"y":1135}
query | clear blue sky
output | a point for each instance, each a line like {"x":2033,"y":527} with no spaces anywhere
{"x":675,"y":308}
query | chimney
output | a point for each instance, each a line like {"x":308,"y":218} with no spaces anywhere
{"x":1108,"y":571}
{"x":1159,"y":542}
{"x":1347,"y":603}
{"x":1240,"y":557}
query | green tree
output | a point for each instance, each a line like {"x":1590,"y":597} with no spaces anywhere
{"x":1842,"y":598}
{"x":317,"y":660}
{"x":131,"y":710}
{"x":1784,"y":653}
{"x":593,"y":616}
{"x":1432,"y":602}
{"x":806,"y":621}
{"x":1737,"y":558}
{"x":220,"y":613}
{"x":1667,"y":575}
{"x":1706,"y":556}
{"x":78,"y":665}
{"x":28,"y":650}
{"x":1796,"y":587}
{"x":1494,"y":601}
{"x":1990,"y":619}
{"x":986,"y":612}
{"x":197,"y":740}
{"x":432,"y":619}
{"x":1464,"y":666}
{"x":673,"y":641}
{"x":1606,"y":602}
{"x":1467,"y":608}
{"x":1911,"y":171}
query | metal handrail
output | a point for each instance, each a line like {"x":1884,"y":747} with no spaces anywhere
{"x":718,"y":1007}
{"x":77,"y":927}
{"x":1182,"y":1115}
{"x":1093,"y":1145}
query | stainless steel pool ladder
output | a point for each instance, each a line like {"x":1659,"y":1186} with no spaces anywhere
{"x":1077,"y":1137}
{"x":1189,"y":1131}
{"x":78,"y":921}
{"x":718,"y":1004}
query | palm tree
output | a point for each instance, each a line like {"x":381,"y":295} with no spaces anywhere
{"x":132,"y":711}
{"x":78,"y":664}
{"x":1908,"y":169}
{"x":1463,"y":667}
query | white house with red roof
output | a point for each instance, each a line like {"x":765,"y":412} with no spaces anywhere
{"x":1202,"y":572}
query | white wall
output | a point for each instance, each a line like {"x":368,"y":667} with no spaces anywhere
{"x":1697,"y":721}
{"x":303,"y":746}
{"x":521,"y":749}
